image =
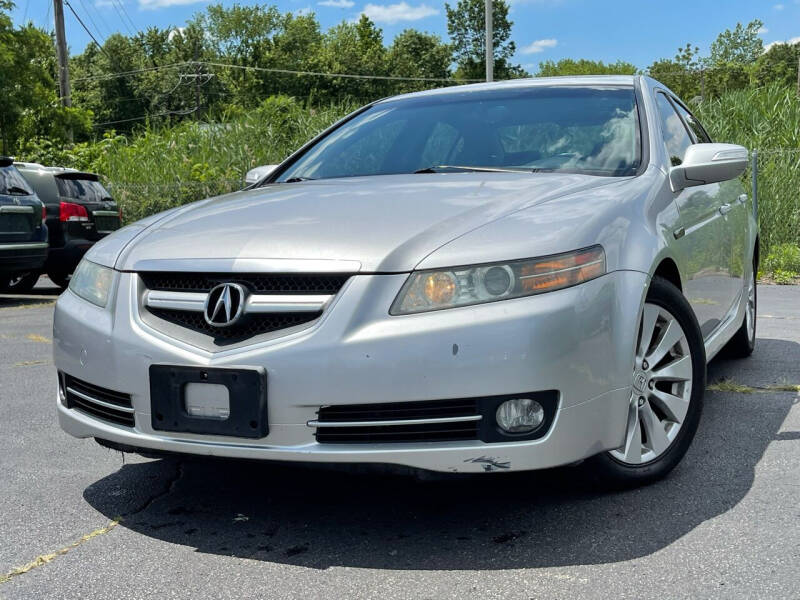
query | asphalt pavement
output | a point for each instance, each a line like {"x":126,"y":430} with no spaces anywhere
{"x":80,"y":521}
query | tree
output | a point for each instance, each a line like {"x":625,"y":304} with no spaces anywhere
{"x":681,"y":73}
{"x":28,"y":100}
{"x":568,"y":66}
{"x":465,"y":26}
{"x":779,"y":64}
{"x":416,"y":54}
{"x":742,"y":46}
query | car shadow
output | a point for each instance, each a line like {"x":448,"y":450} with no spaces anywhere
{"x":317,"y":517}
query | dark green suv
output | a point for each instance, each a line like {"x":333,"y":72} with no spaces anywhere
{"x":23,"y":233}
{"x":80,"y":211}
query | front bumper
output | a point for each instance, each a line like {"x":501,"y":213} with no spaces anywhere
{"x":578,"y":341}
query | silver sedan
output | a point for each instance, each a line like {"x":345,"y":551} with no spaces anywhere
{"x":493,"y":277}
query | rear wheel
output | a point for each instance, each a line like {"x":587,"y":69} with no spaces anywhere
{"x":669,"y":376}
{"x":21,"y":283}
{"x":742,"y":344}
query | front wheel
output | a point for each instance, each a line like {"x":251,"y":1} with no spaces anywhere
{"x":668,"y":382}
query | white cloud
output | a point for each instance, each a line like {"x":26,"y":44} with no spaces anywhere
{"x":338,"y":3}
{"x":302,"y":12}
{"x":156,"y":4}
{"x":762,"y":30}
{"x":794,"y":40}
{"x":779,"y":7}
{"x":394,"y":13}
{"x":539,"y":46}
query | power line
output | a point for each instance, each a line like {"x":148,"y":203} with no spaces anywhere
{"x":342,"y":75}
{"x":118,"y":4}
{"x":72,"y":10}
{"x":92,"y":21}
{"x":132,"y":72}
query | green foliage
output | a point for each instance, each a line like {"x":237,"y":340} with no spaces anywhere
{"x":742,"y":46}
{"x":164,"y":166}
{"x":783,"y":263}
{"x":465,"y":26}
{"x":568,"y":66}
{"x":767,"y":119}
{"x":778,"y":65}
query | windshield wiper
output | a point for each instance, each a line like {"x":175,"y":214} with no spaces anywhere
{"x":298,"y":179}
{"x":459,"y":168}
{"x":15,"y":190}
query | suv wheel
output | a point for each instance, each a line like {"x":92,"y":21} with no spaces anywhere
{"x":21,"y":283}
{"x":669,"y":378}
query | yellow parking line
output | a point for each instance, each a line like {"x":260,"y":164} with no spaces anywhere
{"x":35,"y":337}
{"x":43,"y":559}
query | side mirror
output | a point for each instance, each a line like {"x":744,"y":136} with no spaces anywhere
{"x":258,"y":173}
{"x":708,"y":163}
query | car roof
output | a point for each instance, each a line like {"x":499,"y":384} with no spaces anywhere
{"x":572,"y":80}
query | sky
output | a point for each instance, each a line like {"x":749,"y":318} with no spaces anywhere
{"x":635,"y":31}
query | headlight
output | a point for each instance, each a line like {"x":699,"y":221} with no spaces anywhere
{"x":92,"y":282}
{"x":462,"y":286}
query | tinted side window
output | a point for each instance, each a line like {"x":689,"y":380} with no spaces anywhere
{"x":675,"y":135}
{"x":12,"y":182}
{"x":698,"y":130}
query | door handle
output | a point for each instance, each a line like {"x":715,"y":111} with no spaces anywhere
{"x":725,"y":209}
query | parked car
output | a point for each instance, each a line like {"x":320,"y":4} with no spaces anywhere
{"x":23,"y":233}
{"x":80,"y":211}
{"x":494,"y":277}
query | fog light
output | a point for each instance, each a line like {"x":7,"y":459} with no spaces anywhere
{"x":521,"y":415}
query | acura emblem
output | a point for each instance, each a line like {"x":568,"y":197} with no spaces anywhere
{"x":224,"y":304}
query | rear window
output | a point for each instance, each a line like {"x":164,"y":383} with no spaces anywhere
{"x":85,"y":190}
{"x":13,"y":183}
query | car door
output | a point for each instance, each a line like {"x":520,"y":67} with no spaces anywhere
{"x":701,"y":242}
{"x":733,"y":206}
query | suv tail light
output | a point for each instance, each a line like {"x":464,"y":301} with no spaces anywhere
{"x":44,"y":213}
{"x":73,"y":212}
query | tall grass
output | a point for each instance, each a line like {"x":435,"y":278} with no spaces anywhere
{"x":768,"y":120}
{"x":164,"y":167}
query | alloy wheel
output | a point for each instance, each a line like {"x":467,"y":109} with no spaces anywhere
{"x":661,"y":389}
{"x":750,"y":313}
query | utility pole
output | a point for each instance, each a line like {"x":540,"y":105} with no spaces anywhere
{"x":489,"y":43}
{"x":63,"y":58}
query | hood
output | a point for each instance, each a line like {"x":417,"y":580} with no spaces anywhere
{"x":383,"y":223}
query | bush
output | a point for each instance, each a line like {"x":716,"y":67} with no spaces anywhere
{"x":783,"y":263}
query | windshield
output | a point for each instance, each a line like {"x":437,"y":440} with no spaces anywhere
{"x":13,"y":183}
{"x":82,"y":189}
{"x":592,"y":130}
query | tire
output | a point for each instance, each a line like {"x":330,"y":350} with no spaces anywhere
{"x":21,"y":283}
{"x":59,"y":279}
{"x":657,"y":408}
{"x":743,"y":342}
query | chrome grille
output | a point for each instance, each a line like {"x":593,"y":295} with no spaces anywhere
{"x":274,"y":302}
{"x":98,"y":402}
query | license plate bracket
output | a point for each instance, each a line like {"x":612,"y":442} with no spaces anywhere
{"x":247,"y":390}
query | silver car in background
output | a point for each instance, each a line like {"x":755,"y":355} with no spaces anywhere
{"x":493,"y":277}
